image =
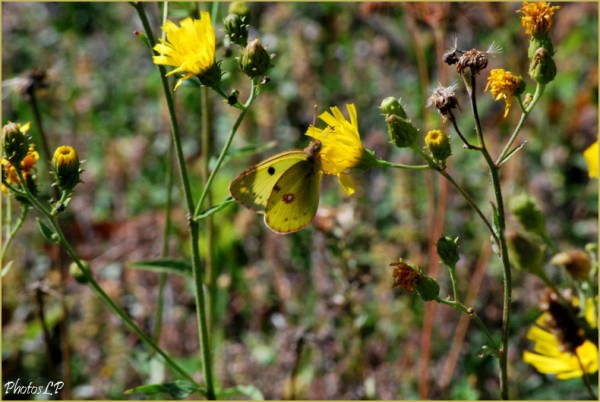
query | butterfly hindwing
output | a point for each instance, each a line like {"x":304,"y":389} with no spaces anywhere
{"x":294,"y":200}
{"x":253,"y":186}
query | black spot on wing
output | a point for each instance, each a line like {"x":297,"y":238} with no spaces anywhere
{"x":271,"y":170}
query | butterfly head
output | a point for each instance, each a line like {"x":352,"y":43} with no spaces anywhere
{"x":313,"y":148}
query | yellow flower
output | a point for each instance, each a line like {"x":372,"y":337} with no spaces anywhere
{"x":189,"y":47}
{"x":341,"y":148}
{"x":27,"y":166}
{"x":537,"y":16}
{"x":548,"y":358}
{"x":504,"y":85}
{"x":591,"y":158}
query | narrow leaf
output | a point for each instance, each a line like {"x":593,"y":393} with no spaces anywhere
{"x":168,"y":266}
{"x":7,"y":268}
{"x":179,"y":389}
{"x":212,"y":210}
{"x":47,"y":232}
{"x":249,"y":391}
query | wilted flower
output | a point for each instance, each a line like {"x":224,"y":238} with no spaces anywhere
{"x":444,"y":99}
{"x":537,"y":16}
{"x":504,"y":85}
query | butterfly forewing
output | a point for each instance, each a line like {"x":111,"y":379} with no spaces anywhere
{"x":253,"y":186}
{"x":294,"y":200}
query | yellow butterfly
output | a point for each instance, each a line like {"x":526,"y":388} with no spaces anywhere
{"x":284,"y":187}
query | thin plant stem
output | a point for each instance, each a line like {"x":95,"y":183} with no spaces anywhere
{"x":236,"y":125}
{"x":539,"y":91}
{"x":14,"y":229}
{"x":167,"y":229}
{"x":383,"y":163}
{"x":474,"y":317}
{"x":506,"y":273}
{"x":62,"y":240}
{"x":452,"y":270}
{"x":201,"y":316}
{"x":209,"y":277}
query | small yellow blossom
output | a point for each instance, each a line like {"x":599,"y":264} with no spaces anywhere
{"x":66,"y":167}
{"x":504,"y":85}
{"x":189,"y":47}
{"x":537,"y":16}
{"x":27,"y":166}
{"x":591,"y":158}
{"x":548,"y":357}
{"x":341,"y":148}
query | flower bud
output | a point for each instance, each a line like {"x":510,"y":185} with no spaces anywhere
{"x":16,"y":143}
{"x":240,"y":8}
{"x":529,"y":214}
{"x":391,"y":105}
{"x":255,"y":61}
{"x":576,"y":262}
{"x":77,"y":274}
{"x":542,"y":68}
{"x":66,"y":167}
{"x":428,"y":288}
{"x":447,"y":249}
{"x":438,"y":144}
{"x":236,"y":29}
{"x":539,"y":41}
{"x":525,"y":252}
{"x":401,"y":131}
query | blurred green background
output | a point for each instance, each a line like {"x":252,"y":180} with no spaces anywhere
{"x":310,"y":315}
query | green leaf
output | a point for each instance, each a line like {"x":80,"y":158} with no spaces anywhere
{"x":208,"y":212}
{"x":47,"y":232}
{"x":179,"y":389}
{"x":144,"y":38}
{"x":166,"y":265}
{"x":244,"y":390}
{"x":7,"y":268}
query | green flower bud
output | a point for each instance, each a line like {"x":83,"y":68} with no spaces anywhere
{"x":540,"y":40}
{"x":528,"y":213}
{"x":401,"y":131}
{"x":447,"y":249}
{"x":77,"y":274}
{"x":16,"y":143}
{"x":428,"y":288}
{"x":542,"y":68}
{"x":240,"y":8}
{"x":439,"y":145}
{"x":525,"y":252}
{"x":236,"y":29}
{"x":66,"y":167}
{"x":212,"y":77}
{"x":391,"y":105}
{"x":255,"y":61}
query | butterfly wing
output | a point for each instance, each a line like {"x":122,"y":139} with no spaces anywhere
{"x":294,"y":200}
{"x":253,"y":186}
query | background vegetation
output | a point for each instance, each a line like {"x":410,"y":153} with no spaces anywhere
{"x":310,"y":315}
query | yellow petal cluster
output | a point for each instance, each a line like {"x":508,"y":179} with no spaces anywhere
{"x":537,"y":16}
{"x":190,"y":47}
{"x":341,"y":147}
{"x":502,"y":85}
{"x":548,"y":358}
{"x":27,"y":167}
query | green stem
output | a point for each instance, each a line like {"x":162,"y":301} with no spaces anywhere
{"x":15,"y":229}
{"x":382,"y":163}
{"x":205,"y":190}
{"x":506,"y":273}
{"x":194,"y":228}
{"x":474,"y":317}
{"x":453,"y":281}
{"x":539,"y":90}
{"x":97,"y":288}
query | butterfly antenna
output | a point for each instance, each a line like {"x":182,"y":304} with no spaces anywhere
{"x":315,"y":114}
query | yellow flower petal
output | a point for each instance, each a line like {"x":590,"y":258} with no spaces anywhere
{"x":591,"y":158}
{"x":347,"y":183}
